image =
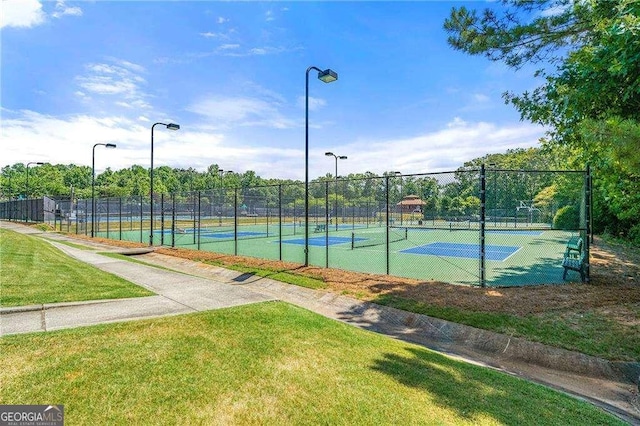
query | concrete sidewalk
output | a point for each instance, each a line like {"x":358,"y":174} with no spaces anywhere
{"x":184,"y":286}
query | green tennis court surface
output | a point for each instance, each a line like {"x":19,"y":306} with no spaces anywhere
{"x":320,"y":241}
{"x":515,"y":257}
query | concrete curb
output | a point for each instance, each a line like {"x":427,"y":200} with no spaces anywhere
{"x":499,"y":346}
{"x":45,"y":306}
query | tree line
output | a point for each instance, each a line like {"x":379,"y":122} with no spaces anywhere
{"x":510,"y":179}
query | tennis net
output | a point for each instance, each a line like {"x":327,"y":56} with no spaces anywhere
{"x":376,"y":237}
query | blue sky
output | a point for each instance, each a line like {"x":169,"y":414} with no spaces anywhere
{"x":232,"y":74}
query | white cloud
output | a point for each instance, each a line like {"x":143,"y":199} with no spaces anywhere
{"x":39,"y":137}
{"x":268,"y":16}
{"x":442,"y":150}
{"x":314,"y":103}
{"x":219,"y":35}
{"x":63,"y":10}
{"x":242,"y":111}
{"x":21,"y":13}
{"x":228,"y":46}
{"x":119,"y":79}
{"x":481,"y":98}
{"x":555,"y":10}
{"x":222,"y":20}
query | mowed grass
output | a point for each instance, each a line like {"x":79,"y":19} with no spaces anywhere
{"x":269,"y":363}
{"x":34,"y":272}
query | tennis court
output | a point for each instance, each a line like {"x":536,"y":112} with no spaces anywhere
{"x":470,"y":251}
{"x":513,"y":257}
{"x":373,"y":226}
{"x":319,"y":241}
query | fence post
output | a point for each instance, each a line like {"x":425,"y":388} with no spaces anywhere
{"x":326,"y":221}
{"x":387,"y":220}
{"x":482,"y":225}
{"x":141,"y":213}
{"x":587,"y":217}
{"x":235,"y":221}
{"x":199,"y":218}
{"x":280,"y":222}
{"x":107,"y":218}
{"x":120,"y":218}
{"x":162,"y":219}
{"x":196,"y":204}
{"x":173,"y":219}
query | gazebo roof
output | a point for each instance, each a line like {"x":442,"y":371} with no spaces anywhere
{"x":411,"y":200}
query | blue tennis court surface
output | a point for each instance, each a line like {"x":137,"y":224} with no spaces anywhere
{"x":319,"y":241}
{"x":470,"y":251}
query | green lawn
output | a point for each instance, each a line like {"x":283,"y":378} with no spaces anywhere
{"x":269,"y":363}
{"x":33,"y":272}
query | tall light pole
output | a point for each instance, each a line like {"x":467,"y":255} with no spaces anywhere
{"x":337,"y":157}
{"x":93,"y":184}
{"x":326,"y":76}
{"x":170,"y":126}
{"x":26,"y":190}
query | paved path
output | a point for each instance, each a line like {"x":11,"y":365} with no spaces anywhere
{"x":183,"y":286}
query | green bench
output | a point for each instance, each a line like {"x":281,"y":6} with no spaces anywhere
{"x":575,"y":258}
{"x":320,"y":228}
{"x":574,"y":245}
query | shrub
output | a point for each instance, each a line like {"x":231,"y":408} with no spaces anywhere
{"x":568,"y":217}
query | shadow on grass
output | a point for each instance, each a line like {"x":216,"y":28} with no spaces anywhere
{"x":476,"y":394}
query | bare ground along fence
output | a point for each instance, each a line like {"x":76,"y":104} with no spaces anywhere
{"x":486,"y":227}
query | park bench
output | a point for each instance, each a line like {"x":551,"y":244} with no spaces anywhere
{"x":575,"y":258}
{"x":320,"y":228}
{"x":574,"y":245}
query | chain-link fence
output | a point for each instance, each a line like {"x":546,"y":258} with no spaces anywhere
{"x":484,"y":226}
{"x":29,"y":210}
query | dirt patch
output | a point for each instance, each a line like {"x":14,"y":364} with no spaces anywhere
{"x":614,"y":290}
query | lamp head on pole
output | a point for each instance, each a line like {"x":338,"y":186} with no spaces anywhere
{"x":110,"y":145}
{"x":329,"y":154}
{"x":343,"y":157}
{"x":173,"y":126}
{"x":327,"y":76}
